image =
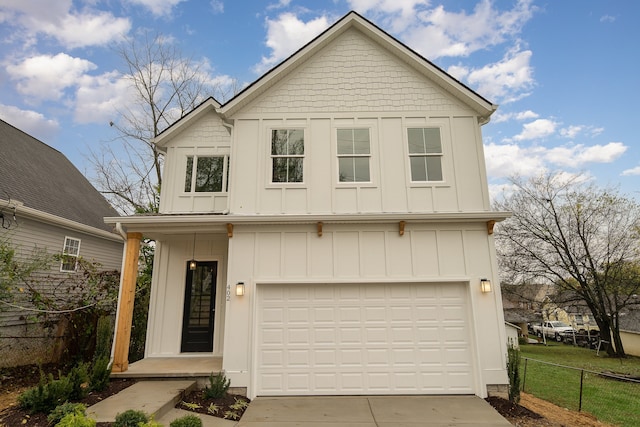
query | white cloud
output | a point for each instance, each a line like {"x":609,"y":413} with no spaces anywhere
{"x":435,"y":32}
{"x":607,"y":18}
{"x":99,"y":98}
{"x":45,"y":77}
{"x":536,"y":129}
{"x":159,"y":7}
{"x":631,"y":172}
{"x":507,"y":80}
{"x":59,"y":20}
{"x":578,"y":155}
{"x":285,"y":35}
{"x":571,"y":131}
{"x":497,"y":117}
{"x":217,"y":6}
{"x":31,"y":122}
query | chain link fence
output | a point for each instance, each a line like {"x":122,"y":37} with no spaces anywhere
{"x":610,"y":398}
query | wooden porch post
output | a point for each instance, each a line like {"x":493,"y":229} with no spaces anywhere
{"x":127,"y":297}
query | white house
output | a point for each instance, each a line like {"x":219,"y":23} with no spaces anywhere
{"x":344,"y":193}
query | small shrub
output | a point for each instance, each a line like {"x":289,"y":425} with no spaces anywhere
{"x":186,"y":421}
{"x":100,"y":373}
{"x":218,"y":386}
{"x":76,"y":420}
{"x":130,"y":418}
{"x":78,"y":379}
{"x":48,"y":394}
{"x":65,"y":409}
{"x":104,"y":332}
{"x":513,"y":370}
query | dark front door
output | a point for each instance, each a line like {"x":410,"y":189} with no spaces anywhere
{"x":199,"y":308}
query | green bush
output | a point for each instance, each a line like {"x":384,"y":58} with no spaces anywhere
{"x":65,"y":409}
{"x":187,"y":421}
{"x":218,"y":386}
{"x":48,"y":394}
{"x":78,"y":379}
{"x":513,"y":370}
{"x":76,"y":420}
{"x":130,"y":418}
{"x":100,"y":373}
{"x":104,"y":332}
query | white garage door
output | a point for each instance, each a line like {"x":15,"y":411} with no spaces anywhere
{"x":363,"y":339}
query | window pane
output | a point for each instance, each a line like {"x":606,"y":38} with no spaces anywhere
{"x":418,"y":168}
{"x":295,"y":169}
{"x":189,"y":174}
{"x":296,"y":142}
{"x":279,"y":170}
{"x":345,"y":166}
{"x":432,"y":140}
{"x":361,"y":166}
{"x":416,"y":140}
{"x":434,"y":168}
{"x":345,"y":141}
{"x":209,"y":172}
{"x":361,"y":141}
{"x":279,"y":142}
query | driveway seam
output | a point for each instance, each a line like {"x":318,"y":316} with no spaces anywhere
{"x":373,"y":416}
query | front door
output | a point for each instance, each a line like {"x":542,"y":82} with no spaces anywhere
{"x":199,"y":308}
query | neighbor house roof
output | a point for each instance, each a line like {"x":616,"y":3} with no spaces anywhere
{"x":41,"y":178}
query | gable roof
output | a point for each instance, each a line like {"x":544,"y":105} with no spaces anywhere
{"x":43,"y":179}
{"x":476,"y":102}
{"x":483,"y":107}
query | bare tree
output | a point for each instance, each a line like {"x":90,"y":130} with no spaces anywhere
{"x":581,"y":238}
{"x":164,"y":86}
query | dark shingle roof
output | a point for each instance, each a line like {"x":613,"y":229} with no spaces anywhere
{"x":42,"y":178}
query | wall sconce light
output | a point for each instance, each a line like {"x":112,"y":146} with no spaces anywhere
{"x":193,"y":264}
{"x":485,"y":285}
{"x":240,"y":289}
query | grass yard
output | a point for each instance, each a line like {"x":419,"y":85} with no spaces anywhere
{"x":609,"y":400}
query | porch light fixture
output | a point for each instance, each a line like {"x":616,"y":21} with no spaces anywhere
{"x":240,"y":289}
{"x":485,"y":285}
{"x":193,"y":264}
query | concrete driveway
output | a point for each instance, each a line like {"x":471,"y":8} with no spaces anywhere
{"x":371,"y":411}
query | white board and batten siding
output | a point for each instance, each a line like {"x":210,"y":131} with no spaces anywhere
{"x":426,"y":277}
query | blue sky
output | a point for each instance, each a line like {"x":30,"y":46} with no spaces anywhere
{"x":565,"y":73}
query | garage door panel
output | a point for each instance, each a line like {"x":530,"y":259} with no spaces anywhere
{"x":362,"y":338}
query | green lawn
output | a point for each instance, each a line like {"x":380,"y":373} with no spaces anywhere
{"x":609,"y":400}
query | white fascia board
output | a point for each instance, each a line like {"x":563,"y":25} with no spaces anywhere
{"x":36,"y":215}
{"x":168,"y":134}
{"x":173,"y":224}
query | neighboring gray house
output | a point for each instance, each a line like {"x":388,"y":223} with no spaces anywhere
{"x":46,"y":203}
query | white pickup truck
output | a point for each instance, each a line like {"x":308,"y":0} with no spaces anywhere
{"x":553,"y":329}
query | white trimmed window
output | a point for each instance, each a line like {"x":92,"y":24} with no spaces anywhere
{"x":207,"y":174}
{"x":287,"y":155}
{"x":354,"y":155}
{"x":425,"y":154}
{"x":70,"y":254}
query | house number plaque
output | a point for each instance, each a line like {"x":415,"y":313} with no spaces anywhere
{"x":228,"y":292}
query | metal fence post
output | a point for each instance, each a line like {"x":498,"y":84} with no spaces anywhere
{"x":581,"y":381}
{"x":524,"y":377}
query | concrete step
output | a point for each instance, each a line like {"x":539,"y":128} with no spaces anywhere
{"x":155,"y":398}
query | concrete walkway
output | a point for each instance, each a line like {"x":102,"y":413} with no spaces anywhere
{"x":371,"y":411}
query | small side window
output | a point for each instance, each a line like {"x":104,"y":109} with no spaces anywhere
{"x":354,"y":154}
{"x":425,"y":154}
{"x":70,"y":254}
{"x":287,"y":155}
{"x":206,"y":174}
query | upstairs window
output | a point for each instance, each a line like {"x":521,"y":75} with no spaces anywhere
{"x":354,"y":155}
{"x":425,"y":154}
{"x":70,"y":253}
{"x":207,"y":174}
{"x":287,"y":155}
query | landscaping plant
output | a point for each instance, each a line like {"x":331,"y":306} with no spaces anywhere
{"x":131,"y":418}
{"x":513,"y":370}
{"x":65,"y":409}
{"x":218,"y":386}
{"x":48,"y":394}
{"x":76,"y":420}
{"x":187,"y":421}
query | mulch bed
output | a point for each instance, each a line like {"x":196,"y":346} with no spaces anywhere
{"x":223,"y":407}
{"x":14,"y":379}
{"x":512,"y":411}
